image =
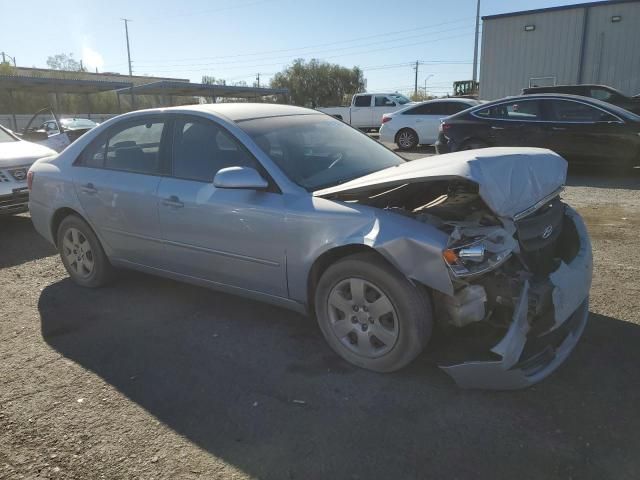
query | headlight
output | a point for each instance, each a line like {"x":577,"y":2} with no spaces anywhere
{"x":474,"y":258}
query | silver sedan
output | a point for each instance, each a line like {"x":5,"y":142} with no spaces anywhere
{"x":290,"y":206}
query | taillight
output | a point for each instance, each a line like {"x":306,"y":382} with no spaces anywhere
{"x":29,"y":179}
{"x":445,"y":126}
{"x":386,"y":119}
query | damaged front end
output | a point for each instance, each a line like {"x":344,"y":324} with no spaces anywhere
{"x":518,"y":259}
{"x":519,"y":301}
{"x":534,"y":306}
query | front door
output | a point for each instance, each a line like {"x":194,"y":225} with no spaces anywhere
{"x":585,"y":133}
{"x":227,"y":236}
{"x":116,"y":180}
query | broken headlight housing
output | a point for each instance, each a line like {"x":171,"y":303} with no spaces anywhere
{"x":474,"y":257}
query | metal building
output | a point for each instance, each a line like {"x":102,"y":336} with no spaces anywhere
{"x":597,"y":42}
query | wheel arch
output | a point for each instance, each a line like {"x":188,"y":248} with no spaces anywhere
{"x":59,"y":215}
{"x":328,"y":258}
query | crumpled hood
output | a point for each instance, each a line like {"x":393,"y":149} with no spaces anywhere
{"x":22,"y":153}
{"x":510,"y":179}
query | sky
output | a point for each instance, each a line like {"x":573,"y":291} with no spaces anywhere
{"x":237,"y":39}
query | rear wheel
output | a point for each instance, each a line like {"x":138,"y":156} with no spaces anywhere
{"x":407,"y":139}
{"x":82,"y":253}
{"x":371,"y":315}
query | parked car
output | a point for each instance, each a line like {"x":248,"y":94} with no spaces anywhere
{"x":578,"y":128}
{"x":16,"y":156}
{"x":287,"y":205}
{"x":366,"y":109}
{"x":53,"y":128}
{"x":599,"y":92}
{"x":55,"y":133}
{"x":419,"y":123}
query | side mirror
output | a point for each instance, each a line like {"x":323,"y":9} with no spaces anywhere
{"x":239,"y":177}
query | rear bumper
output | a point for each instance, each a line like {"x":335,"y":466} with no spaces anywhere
{"x":387,"y":135}
{"x":443,"y":145}
{"x":527,"y":358}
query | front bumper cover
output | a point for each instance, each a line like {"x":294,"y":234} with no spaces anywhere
{"x":526,"y":359}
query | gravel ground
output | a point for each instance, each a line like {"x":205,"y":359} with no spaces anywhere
{"x":150,"y":378}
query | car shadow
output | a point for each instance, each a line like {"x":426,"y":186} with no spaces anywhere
{"x":601,"y":177}
{"x":20,"y":243}
{"x":258,"y":387}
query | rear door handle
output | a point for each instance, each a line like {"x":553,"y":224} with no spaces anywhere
{"x":89,"y":189}
{"x":173,"y":201}
{"x":493,"y":127}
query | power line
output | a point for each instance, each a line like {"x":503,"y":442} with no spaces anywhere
{"x":356,"y":39}
{"x":323,"y":57}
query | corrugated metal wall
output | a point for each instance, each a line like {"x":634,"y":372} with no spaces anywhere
{"x":511,"y":56}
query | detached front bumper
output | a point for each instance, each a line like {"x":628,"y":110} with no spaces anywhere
{"x":527,"y":357}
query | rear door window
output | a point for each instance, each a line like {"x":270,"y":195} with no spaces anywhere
{"x":133,"y":146}
{"x":362,"y":101}
{"x":437,"y":108}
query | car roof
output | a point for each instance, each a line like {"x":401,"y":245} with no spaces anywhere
{"x":565,"y":96}
{"x":237,"y":112}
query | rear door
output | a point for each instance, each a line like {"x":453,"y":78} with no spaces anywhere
{"x":586,"y":133}
{"x":116,"y":179}
{"x":361,"y":111}
{"x":233,"y":237}
{"x":425,"y":120}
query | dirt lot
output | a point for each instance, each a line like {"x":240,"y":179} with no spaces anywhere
{"x":150,"y":378}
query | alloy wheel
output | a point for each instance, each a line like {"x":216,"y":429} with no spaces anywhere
{"x":362,"y":317}
{"x":78,"y":253}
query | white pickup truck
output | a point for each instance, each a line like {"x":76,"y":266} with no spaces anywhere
{"x":366,"y":109}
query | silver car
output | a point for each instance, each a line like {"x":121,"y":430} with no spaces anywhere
{"x":16,"y":156}
{"x":290,"y":206}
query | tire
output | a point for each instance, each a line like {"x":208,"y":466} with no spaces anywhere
{"x":82,"y":254}
{"x":407,"y":139}
{"x":402,"y":319}
{"x":473,"y":144}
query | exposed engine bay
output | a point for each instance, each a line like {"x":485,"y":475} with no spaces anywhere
{"x":508,"y":293}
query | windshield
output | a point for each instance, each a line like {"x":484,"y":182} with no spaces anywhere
{"x":401,"y":99}
{"x":6,"y":136}
{"x":317,"y":151}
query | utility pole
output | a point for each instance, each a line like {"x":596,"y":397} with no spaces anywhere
{"x":415,"y":88}
{"x":475,"y":48}
{"x":258,"y":79}
{"x":126,"y":32}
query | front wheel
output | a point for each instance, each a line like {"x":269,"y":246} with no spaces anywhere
{"x":407,"y":139}
{"x":371,"y":315}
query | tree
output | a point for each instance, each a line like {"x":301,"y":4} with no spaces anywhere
{"x":319,"y":83}
{"x":65,"y":62}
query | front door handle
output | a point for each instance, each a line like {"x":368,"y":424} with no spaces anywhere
{"x":89,"y":189}
{"x":173,"y":201}
{"x":558,"y":129}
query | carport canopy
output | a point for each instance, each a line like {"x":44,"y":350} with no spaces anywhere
{"x":188,"y":89}
{"x":27,"y":84}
